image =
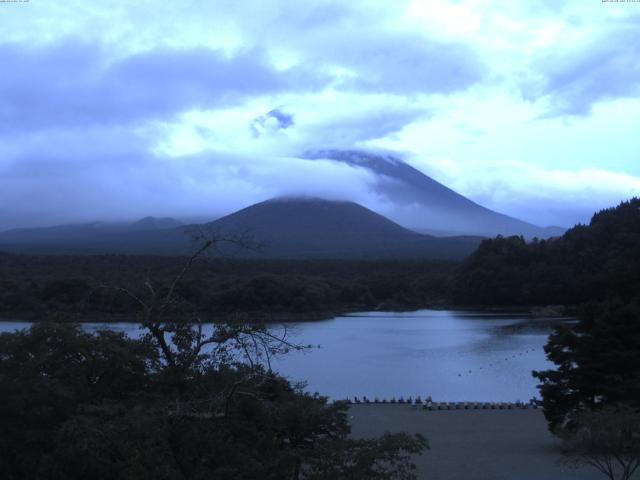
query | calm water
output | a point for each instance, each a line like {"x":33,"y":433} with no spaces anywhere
{"x":450,"y":355}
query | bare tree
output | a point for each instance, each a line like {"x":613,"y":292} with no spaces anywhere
{"x":179,"y":334}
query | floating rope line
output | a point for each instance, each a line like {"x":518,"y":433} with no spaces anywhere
{"x":498,"y":362}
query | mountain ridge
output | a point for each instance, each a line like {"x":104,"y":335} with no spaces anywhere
{"x":442,"y":208}
{"x":286,"y":227}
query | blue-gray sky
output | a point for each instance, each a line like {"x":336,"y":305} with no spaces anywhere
{"x":116,"y":109}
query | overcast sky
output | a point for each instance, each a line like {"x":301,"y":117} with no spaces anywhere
{"x":112,"y":110}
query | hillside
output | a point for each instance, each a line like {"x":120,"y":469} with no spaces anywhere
{"x":283,"y":228}
{"x":147,"y":235}
{"x":441,"y":209}
{"x":588,"y":263}
{"x":316,"y":228}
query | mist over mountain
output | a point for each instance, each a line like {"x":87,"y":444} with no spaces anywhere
{"x":311,"y":227}
{"x":154,"y":223}
{"x":433,"y":207}
{"x":282,"y":228}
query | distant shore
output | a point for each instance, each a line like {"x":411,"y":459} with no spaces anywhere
{"x":101,"y":317}
{"x":543,"y":311}
{"x":473,"y":444}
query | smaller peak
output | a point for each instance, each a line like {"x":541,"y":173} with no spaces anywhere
{"x":157,"y":222}
{"x":148,"y":219}
{"x":303,"y":199}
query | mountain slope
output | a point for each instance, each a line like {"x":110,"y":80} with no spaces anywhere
{"x":316,"y":228}
{"x":441,"y":209}
{"x":155,"y":223}
{"x":284,"y":228}
{"x":97,"y":237}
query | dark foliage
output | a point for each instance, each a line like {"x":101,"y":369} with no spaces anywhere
{"x":598,"y":363}
{"x":589,"y":262}
{"x":598,"y":267}
{"x":103,"y":406}
{"x":38,"y":287}
{"x":595,"y":269}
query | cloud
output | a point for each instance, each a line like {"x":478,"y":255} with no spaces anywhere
{"x":323,"y":120}
{"x":552,"y":196}
{"x":92,"y":181}
{"x":192,"y":108}
{"x":71,"y":84}
{"x":603,"y":66}
{"x":354,"y":121}
{"x":273,"y":120}
{"x":405,"y":63}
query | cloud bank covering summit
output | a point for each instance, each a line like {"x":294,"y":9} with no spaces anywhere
{"x":211,"y":106}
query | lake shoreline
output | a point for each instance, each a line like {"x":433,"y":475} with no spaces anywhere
{"x":260,"y":317}
{"x":453,"y":355}
{"x":557,"y":311}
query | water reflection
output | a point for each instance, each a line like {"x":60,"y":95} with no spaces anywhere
{"x":450,"y":355}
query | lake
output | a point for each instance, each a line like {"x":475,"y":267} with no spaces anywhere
{"x":450,"y":355}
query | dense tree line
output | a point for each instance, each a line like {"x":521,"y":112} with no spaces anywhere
{"x":73,"y":287}
{"x":591,"y":262}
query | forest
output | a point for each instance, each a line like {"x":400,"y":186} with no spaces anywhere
{"x":80,"y":405}
{"x":598,"y":261}
{"x":77,"y":287}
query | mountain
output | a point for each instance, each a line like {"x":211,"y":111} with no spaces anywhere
{"x":318,"y":228}
{"x":439,"y":208}
{"x":284,"y":228}
{"x":94,"y":237}
{"x":154,"y":223}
